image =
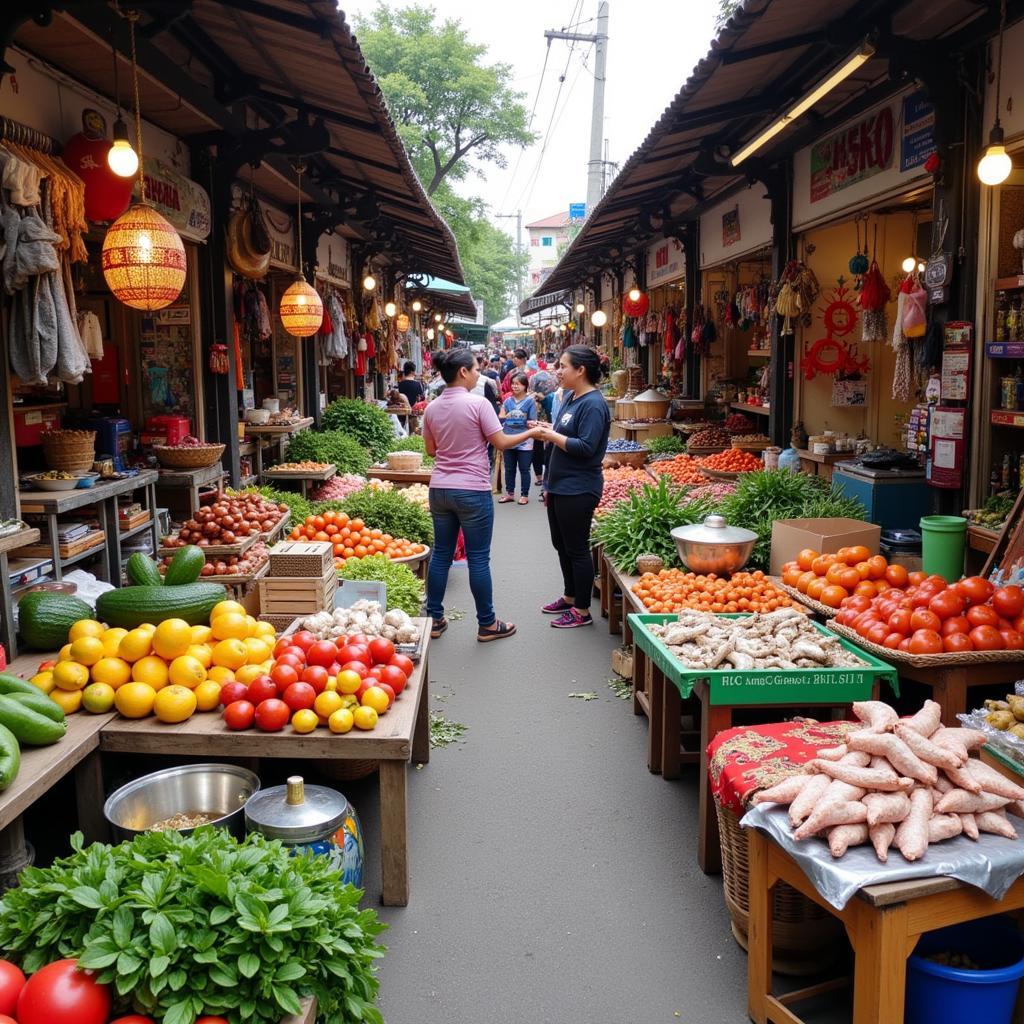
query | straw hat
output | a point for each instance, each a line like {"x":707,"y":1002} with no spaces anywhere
{"x":243,"y":255}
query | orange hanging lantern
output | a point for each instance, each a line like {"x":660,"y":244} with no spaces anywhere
{"x":143,"y":259}
{"x":301,"y":309}
{"x":402,"y":323}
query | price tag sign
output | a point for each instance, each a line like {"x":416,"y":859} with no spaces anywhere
{"x":351,"y":591}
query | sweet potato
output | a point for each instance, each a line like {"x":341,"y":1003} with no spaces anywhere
{"x":969,"y":825}
{"x":944,"y":826}
{"x":842,"y":837}
{"x":875,"y":714}
{"x":993,"y":782}
{"x":866,"y":778}
{"x":808,"y":798}
{"x":930,"y":753}
{"x":996,"y":823}
{"x":886,"y":807}
{"x":963,"y":779}
{"x":784,"y":792}
{"x":897,"y":752}
{"x":881,"y":836}
{"x":827,"y":815}
{"x":927,"y":720}
{"x":912,"y":834}
{"x":962,"y":802}
{"x":833,"y":753}
{"x":972,"y":739}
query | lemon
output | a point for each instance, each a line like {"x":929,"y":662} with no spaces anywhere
{"x":85,"y":627}
{"x":44,"y":680}
{"x":364,"y":717}
{"x":266,"y":629}
{"x":341,"y":721}
{"x":114,"y":672}
{"x":69,"y":675}
{"x":172,"y":639}
{"x":175,"y":704}
{"x":350,"y":701}
{"x":134,"y":645}
{"x":69,"y":701}
{"x":230,"y":653}
{"x":230,"y":626}
{"x":247,"y":673}
{"x":201,"y":634}
{"x":207,"y":695}
{"x":135,"y":700}
{"x":150,"y":670}
{"x":148,"y":627}
{"x":112,"y":641}
{"x":87,"y":650}
{"x":203,"y":653}
{"x":376,"y":698}
{"x":259,"y":650}
{"x":186,"y":671}
{"x":225,"y":607}
{"x":250,"y":624}
{"x":327,"y":703}
{"x":98,"y":698}
{"x":221,"y":674}
{"x":305,"y":720}
{"x":65,"y":653}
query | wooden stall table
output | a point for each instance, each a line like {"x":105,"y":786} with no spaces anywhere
{"x":618,"y":610}
{"x":882,"y":922}
{"x":178,"y":489}
{"x":821,"y":465}
{"x":401,"y":734}
{"x":951,"y":685}
{"x":400,"y":477}
{"x":8,"y":634}
{"x":270,"y":434}
{"x":305,"y":477}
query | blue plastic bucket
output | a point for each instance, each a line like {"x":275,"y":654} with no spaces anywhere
{"x":937,"y":994}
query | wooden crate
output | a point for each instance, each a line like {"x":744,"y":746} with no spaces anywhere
{"x":93,"y":539}
{"x":311,"y":559}
{"x":290,"y":595}
{"x":136,"y":520}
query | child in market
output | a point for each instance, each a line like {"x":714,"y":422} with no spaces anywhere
{"x":516,"y":411}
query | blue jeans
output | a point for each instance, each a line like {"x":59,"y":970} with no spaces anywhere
{"x":517,"y":458}
{"x":473,"y":513}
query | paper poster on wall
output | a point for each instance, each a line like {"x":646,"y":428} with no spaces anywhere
{"x":860,"y":151}
{"x":731,"y":227}
{"x":917,"y":141}
{"x":956,"y":366}
{"x":849,"y":393}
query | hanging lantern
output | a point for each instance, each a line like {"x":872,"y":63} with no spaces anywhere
{"x":219,"y":358}
{"x":106,"y":194}
{"x":301,"y":310}
{"x":143,"y":259}
{"x":635,"y":302}
{"x":402,"y":323}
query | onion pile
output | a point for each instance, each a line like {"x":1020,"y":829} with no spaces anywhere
{"x":229,"y":521}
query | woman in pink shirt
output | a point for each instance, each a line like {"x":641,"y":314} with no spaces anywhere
{"x":457,"y":427}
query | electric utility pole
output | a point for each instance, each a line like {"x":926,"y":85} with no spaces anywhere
{"x":518,"y":218}
{"x":595,"y":165}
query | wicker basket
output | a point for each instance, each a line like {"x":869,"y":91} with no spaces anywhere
{"x":405,"y":462}
{"x":635,"y":459}
{"x":346,"y":771}
{"x":805,"y":937}
{"x":69,"y":450}
{"x":648,"y":563}
{"x":188,"y":458}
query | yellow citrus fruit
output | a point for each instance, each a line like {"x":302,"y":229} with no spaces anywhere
{"x":69,"y":675}
{"x":305,"y":720}
{"x":98,"y":698}
{"x":85,"y":627}
{"x":225,"y":607}
{"x":230,"y":626}
{"x":135,"y":700}
{"x":250,"y":621}
{"x":259,"y":650}
{"x":137,"y":643}
{"x":221,"y":674}
{"x":247,"y":673}
{"x":207,"y":695}
{"x":112,"y":641}
{"x":65,"y":653}
{"x":327,"y":703}
{"x":175,"y":704}
{"x":148,"y":627}
{"x":376,"y":698}
{"x":186,"y":671}
{"x":348,"y":681}
{"x":341,"y":721}
{"x":68,"y":700}
{"x":350,"y":701}
{"x":331,"y":684}
{"x":114,"y":672}
{"x":44,"y":680}
{"x":203,"y":653}
{"x":150,"y":670}
{"x":232,"y":652}
{"x":201,"y":634}
{"x":172,"y":638}
{"x":266,"y":629}
{"x":87,"y":650}
{"x":364,"y":717}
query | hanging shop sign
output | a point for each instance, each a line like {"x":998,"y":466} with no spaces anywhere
{"x":917,"y":138}
{"x":332,"y":260}
{"x":180,"y":200}
{"x":730,"y":227}
{"x":857,"y":152}
{"x":665,"y":261}
{"x":281,"y":228}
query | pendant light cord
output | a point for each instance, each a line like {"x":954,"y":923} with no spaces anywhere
{"x":113,"y":53}
{"x":132,"y":17}
{"x":999,"y":58}
{"x":302,"y":270}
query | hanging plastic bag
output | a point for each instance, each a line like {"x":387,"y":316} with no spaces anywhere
{"x":915,"y":319}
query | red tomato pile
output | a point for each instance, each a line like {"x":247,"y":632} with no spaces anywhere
{"x":313,"y":679}
{"x":930,"y":616}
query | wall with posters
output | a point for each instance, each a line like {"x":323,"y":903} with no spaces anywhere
{"x":736,"y":227}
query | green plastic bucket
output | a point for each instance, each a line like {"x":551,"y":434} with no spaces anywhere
{"x":943,"y":543}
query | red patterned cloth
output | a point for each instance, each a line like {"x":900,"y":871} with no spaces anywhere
{"x":751,"y":757}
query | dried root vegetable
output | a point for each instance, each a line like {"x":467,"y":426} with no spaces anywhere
{"x":842,"y":837}
{"x":881,"y":839}
{"x":912,"y":834}
{"x":899,"y":755}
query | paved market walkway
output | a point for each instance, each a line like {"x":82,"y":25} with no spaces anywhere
{"x":553,"y":878}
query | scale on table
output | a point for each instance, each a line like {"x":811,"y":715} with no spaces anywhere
{"x":25,"y":571}
{"x":890,"y":484}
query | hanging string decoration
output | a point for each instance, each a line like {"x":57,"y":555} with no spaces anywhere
{"x":795,"y":293}
{"x":858,"y":264}
{"x":831,"y":355}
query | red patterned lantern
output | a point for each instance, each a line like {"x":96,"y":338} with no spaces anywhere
{"x":143,"y":259}
{"x":635,"y":303}
{"x":106,"y":194}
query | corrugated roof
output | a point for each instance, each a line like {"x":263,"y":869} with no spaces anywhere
{"x":556,"y":220}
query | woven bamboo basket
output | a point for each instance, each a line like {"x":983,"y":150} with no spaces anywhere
{"x":188,"y":458}
{"x":805,"y":937}
{"x":635,"y":459}
{"x":346,"y":771}
{"x":405,"y":462}
{"x":69,"y":450}
{"x":648,"y":563}
{"x":926,"y":660}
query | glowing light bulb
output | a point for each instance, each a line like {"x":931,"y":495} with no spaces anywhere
{"x":599,"y":318}
{"x":909,"y":264}
{"x":430,"y":334}
{"x":369,"y":283}
{"x":121,"y":158}
{"x":580,"y":308}
{"x":634,"y":294}
{"x":995,"y":166}
{"x":417,"y":306}
{"x":389,"y":309}
{"x":438,"y":318}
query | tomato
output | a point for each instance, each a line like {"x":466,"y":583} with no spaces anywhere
{"x":395,"y":678}
{"x":303,"y":639}
{"x":986,"y":638}
{"x":391,"y":693}
{"x":359,"y":667}
{"x":1008,"y":601}
{"x":957,"y":624}
{"x":1018,"y":623}
{"x":406,"y":664}
{"x":322,"y":653}
{"x":899,"y":622}
{"x":924,"y":618}
{"x":282,"y":645}
{"x":239,"y":715}
{"x":4,"y":1019}
{"x":947,"y":604}
{"x":316,"y":676}
{"x":364,"y":686}
{"x":925,"y":641}
{"x":211,"y":1020}
{"x":923,"y":595}
{"x":132,"y":1018}
{"x":260,"y":689}
{"x":272,"y":715}
{"x":59,"y":993}
{"x":893,"y":641}
{"x":905,"y":645}
{"x":284,"y":676}
{"x":955,"y":642}
{"x":230,"y":692}
{"x":382,"y":651}
{"x":12,"y":981}
{"x":976,"y":589}
{"x":359,"y":639}
{"x":916,"y":578}
{"x":1012,"y":640}
{"x":377,"y":672}
{"x":355,"y":652}
{"x":982,"y":615}
{"x":876,"y":567}
{"x":292,"y":661}
{"x":299,"y":696}
{"x":877,"y":633}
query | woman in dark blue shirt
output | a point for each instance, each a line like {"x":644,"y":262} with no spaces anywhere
{"x":579,"y":437}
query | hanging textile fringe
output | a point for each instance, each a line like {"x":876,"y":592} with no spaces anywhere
{"x":902,"y":378}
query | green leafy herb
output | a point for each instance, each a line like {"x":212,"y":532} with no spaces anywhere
{"x":444,"y":733}
{"x":368,"y":424}
{"x":346,"y":452}
{"x":185,"y":925}
{"x":405,"y":590}
{"x":391,"y":512}
{"x":620,"y":687}
{"x":671,"y":445}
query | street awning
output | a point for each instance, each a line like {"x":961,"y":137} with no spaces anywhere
{"x":446,"y":295}
{"x":539,"y":302}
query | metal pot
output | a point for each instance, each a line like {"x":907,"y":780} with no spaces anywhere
{"x":652,"y":404}
{"x":220,"y":789}
{"x":272,"y":405}
{"x":714,"y":546}
{"x":257,"y":417}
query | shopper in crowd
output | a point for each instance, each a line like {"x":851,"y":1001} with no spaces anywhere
{"x":516,"y":411}
{"x":486,"y":387}
{"x":457,"y":427}
{"x":518,"y":365}
{"x":508,"y":364}
{"x":546,"y":405}
{"x":487,"y":370}
{"x":409,"y":385}
{"x":579,"y":437}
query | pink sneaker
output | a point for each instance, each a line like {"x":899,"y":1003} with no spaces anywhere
{"x":556,"y":607}
{"x":572,"y":619}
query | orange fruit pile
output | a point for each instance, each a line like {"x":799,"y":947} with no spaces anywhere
{"x":672,"y":590}
{"x":683,"y":469}
{"x":831,"y":578}
{"x":733,"y":460}
{"x":352,"y":538}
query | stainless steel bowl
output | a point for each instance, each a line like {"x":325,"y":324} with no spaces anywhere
{"x":220,"y":789}
{"x":714,"y":546}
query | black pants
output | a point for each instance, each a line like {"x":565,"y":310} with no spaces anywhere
{"x":541,"y":451}
{"x":569,"y":518}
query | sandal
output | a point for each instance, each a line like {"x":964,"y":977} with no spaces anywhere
{"x":505,"y":499}
{"x":523,"y":501}
{"x":498,"y":631}
{"x":437,"y":627}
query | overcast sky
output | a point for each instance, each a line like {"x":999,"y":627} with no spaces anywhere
{"x":653,"y":47}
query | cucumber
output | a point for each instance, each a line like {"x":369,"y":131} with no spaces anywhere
{"x":38,"y":701}
{"x":12,"y":684}
{"x":131,"y":606}
{"x":45,"y":618}
{"x":185,"y":566}
{"x":10,"y":757}
{"x":143,"y":571}
{"x":28,"y":726}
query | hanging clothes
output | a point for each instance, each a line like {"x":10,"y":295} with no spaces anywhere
{"x":336,"y":346}
{"x":92,"y":334}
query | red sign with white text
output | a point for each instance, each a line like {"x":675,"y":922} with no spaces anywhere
{"x":859,"y":151}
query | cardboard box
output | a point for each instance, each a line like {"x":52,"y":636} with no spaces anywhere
{"x":791,"y":536}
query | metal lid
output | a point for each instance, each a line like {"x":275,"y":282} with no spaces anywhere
{"x":652,"y":395}
{"x":295,"y":813}
{"x":714,"y":530}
